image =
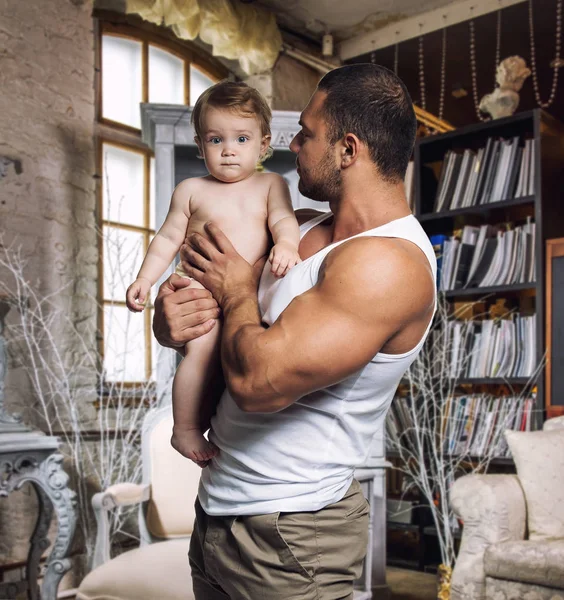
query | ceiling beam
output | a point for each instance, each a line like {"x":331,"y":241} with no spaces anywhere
{"x":421,"y":24}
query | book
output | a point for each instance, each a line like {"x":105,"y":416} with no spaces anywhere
{"x":510,"y":176}
{"x":450,"y":184}
{"x":464,"y":255}
{"x":408,"y":183}
{"x":491,"y":171}
{"x":482,"y":167}
{"x":490,"y":249}
{"x":522,"y":183}
{"x":446,"y":169}
{"x":501,"y":170}
{"x":472,"y":179}
{"x":462,"y":179}
{"x":438,"y":241}
{"x":532,"y":169}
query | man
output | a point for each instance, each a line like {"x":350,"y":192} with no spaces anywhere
{"x":312,"y":363}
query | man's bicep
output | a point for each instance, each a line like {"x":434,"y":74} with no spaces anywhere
{"x":337,"y":327}
{"x":323,"y":341}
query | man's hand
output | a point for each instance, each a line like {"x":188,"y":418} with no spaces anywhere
{"x":219,"y":267}
{"x":182,"y":313}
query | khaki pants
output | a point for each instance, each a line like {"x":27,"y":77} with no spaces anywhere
{"x":281,"y":556}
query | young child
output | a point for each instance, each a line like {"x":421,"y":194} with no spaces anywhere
{"x":232,"y":125}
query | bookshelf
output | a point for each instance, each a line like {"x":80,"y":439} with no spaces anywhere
{"x":540,"y":203}
{"x":544,"y":207}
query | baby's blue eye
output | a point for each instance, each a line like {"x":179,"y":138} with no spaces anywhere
{"x":242,"y":139}
{"x":215,"y":140}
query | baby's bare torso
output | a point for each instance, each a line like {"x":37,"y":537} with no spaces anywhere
{"x":239,"y":209}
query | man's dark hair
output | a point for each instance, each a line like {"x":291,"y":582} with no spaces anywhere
{"x":374,"y":104}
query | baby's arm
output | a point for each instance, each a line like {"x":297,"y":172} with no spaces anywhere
{"x":283,"y":227}
{"x":163,"y":248}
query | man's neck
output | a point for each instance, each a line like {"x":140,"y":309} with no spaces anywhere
{"x":366,"y":207}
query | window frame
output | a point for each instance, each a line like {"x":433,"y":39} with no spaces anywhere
{"x":128,"y":138}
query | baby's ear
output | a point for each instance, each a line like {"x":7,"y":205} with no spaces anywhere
{"x":199,"y":144}
{"x":265,"y":149}
{"x":265,"y":142}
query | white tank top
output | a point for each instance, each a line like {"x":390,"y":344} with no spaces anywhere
{"x":303,"y":457}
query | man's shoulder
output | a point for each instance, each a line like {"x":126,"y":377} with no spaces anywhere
{"x":384,"y":266}
{"x":381,"y":249}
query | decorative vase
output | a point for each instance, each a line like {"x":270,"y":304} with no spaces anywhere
{"x":444,"y":574}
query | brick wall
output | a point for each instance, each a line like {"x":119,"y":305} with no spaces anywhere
{"x":48,"y":209}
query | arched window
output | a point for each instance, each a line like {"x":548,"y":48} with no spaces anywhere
{"x":135,"y":65}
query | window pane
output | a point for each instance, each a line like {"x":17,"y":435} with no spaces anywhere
{"x":123,"y":255}
{"x":124,"y":344}
{"x":166,"y":77}
{"x":121,"y":80}
{"x":198,"y":83}
{"x":122,"y":184}
{"x":152,"y":193}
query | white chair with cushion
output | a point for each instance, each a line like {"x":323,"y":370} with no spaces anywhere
{"x":512,"y":546}
{"x":154,"y":571}
{"x":159,"y":568}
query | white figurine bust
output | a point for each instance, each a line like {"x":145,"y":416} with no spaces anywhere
{"x":510,"y":75}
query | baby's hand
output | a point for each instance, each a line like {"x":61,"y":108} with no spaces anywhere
{"x":283,"y":257}
{"x":137,"y":295}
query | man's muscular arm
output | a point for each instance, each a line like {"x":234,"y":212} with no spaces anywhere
{"x":368,"y":290}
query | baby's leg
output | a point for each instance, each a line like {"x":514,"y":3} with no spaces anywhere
{"x":192,"y":396}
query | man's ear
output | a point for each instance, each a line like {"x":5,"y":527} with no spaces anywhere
{"x":349,"y":150}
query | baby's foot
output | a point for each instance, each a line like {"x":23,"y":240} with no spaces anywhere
{"x":193,"y":445}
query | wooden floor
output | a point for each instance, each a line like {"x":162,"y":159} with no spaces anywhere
{"x":405,"y":585}
{"x":411,"y":585}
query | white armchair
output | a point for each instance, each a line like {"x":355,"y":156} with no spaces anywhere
{"x":159,"y":568}
{"x":498,"y":559}
{"x":166,"y":515}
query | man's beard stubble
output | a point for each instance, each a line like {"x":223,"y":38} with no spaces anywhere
{"x":323,"y":183}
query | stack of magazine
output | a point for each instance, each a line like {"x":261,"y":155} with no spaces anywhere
{"x":475,"y":424}
{"x":409,"y":184}
{"x":502,"y":170}
{"x":471,"y":425}
{"x":474,"y":349}
{"x":486,"y":256}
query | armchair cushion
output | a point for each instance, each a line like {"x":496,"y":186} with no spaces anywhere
{"x":539,"y":458}
{"x":119,"y":579}
{"x":538,"y":562}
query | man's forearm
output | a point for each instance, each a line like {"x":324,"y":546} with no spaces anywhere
{"x":242,"y":350}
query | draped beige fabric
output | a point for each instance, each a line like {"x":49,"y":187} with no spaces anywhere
{"x":234,"y":30}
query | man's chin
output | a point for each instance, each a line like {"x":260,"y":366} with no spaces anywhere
{"x":307,"y":193}
{"x":311,"y":194}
